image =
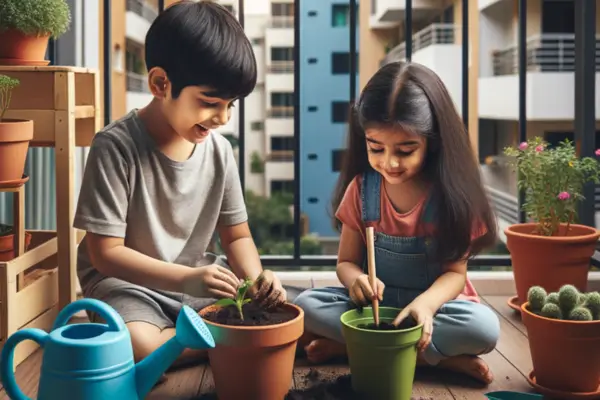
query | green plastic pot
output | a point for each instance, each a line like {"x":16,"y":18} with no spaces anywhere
{"x":382,"y":363}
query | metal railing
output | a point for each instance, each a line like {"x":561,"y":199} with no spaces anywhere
{"x":280,"y":112}
{"x":438,"y":33}
{"x":281,"y":67}
{"x":585,"y":116}
{"x":137,"y":83}
{"x":280,"y":156}
{"x":281,"y":21}
{"x":142,"y":9}
{"x":548,"y":52}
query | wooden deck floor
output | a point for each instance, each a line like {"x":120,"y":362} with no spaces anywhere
{"x":510,"y":363}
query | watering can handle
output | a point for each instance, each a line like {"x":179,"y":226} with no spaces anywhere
{"x":7,"y":360}
{"x":115,"y":321}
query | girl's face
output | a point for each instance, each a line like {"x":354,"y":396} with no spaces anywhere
{"x":395,"y":154}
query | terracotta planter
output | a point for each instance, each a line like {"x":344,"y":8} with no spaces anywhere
{"x":14,"y":143}
{"x":7,"y":248}
{"x":254,"y":362}
{"x":565,"y":354}
{"x":17,"y":48}
{"x":550,"y":261}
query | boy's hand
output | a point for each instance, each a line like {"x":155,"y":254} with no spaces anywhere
{"x":211,"y":281}
{"x":268,"y":291}
{"x":361,"y":292}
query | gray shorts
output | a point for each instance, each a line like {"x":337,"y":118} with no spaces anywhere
{"x":139,"y":304}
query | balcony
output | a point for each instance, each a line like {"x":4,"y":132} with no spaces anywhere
{"x":277,"y":156}
{"x":435,"y":47}
{"x":550,"y":81}
{"x":281,"y":67}
{"x":138,"y":17}
{"x":390,"y":13}
{"x":281,"y":22}
{"x":138,"y":92}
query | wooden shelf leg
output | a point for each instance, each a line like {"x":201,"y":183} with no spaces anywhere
{"x":19,"y":229}
{"x":65,"y":187}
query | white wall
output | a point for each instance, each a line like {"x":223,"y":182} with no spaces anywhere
{"x":136,"y":27}
{"x":495,"y":33}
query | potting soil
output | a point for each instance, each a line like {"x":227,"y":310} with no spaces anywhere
{"x":254,"y":315}
{"x":387,"y":326}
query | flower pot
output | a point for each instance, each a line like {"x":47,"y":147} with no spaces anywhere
{"x":254,"y":362}
{"x":550,"y":261}
{"x":14,"y":143}
{"x":382,"y":363}
{"x":565,"y":354}
{"x":7,"y":246}
{"x":17,"y":48}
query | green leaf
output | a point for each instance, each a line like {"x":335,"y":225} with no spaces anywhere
{"x":246,"y":301}
{"x":225,"y":303}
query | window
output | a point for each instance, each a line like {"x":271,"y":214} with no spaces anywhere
{"x":340,"y":63}
{"x":312,"y":13}
{"x":282,"y":143}
{"x":340,"y":15}
{"x":312,"y":108}
{"x":312,"y":60}
{"x":312,"y":156}
{"x":313,"y":200}
{"x":282,"y":99}
{"x":282,"y":53}
{"x":337,"y":157}
{"x":339,"y":111}
{"x":282,"y":187}
{"x":282,"y":9}
{"x":257,"y":125}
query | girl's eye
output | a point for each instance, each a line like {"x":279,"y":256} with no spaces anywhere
{"x":372,"y":150}
{"x":405,"y":153}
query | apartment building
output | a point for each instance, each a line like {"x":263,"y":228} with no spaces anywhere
{"x":493,"y":71}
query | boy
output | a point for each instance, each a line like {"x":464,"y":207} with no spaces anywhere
{"x":158,"y":183}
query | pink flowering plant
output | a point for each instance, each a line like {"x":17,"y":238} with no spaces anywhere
{"x":552,"y":179}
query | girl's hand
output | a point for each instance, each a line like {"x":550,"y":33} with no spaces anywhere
{"x":362,"y":293}
{"x":422,"y":315}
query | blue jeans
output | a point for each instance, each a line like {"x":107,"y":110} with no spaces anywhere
{"x":460,"y":327}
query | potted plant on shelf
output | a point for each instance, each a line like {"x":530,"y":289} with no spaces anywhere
{"x":382,"y":358}
{"x":7,"y":242}
{"x":255,"y":347}
{"x":26,"y":26}
{"x":563,"y":329}
{"x":14,"y":137}
{"x":552,"y":249}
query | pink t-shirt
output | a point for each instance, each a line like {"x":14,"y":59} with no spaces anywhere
{"x":391,"y":222}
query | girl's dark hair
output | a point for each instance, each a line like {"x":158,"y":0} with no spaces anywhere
{"x":412,"y":97}
{"x":202,"y":44}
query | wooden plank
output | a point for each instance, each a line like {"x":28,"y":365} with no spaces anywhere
{"x":182,"y":383}
{"x":499,"y":304}
{"x":28,"y":375}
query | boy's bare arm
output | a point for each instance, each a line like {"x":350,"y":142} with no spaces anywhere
{"x":112,"y":258}
{"x":241,"y":251}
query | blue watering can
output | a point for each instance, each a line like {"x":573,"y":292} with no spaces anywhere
{"x":92,"y":361}
{"x":503,"y":395}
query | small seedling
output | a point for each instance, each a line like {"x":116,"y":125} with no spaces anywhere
{"x":7,"y":84}
{"x":240,"y":298}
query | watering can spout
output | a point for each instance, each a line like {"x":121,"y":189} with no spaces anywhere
{"x":190,"y":332}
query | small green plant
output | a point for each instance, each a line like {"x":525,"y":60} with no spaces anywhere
{"x":7,"y":84}
{"x":35,"y":17}
{"x":240,"y":298}
{"x":566,"y":304}
{"x":5,"y":230}
{"x":552,"y":180}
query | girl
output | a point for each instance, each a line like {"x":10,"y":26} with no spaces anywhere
{"x":411,"y":175}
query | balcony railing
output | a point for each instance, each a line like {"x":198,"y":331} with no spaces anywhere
{"x":280,"y":156}
{"x":281,"y":67}
{"x":280,"y":112}
{"x":281,"y":21}
{"x":437,"y":33}
{"x":142,"y":9}
{"x":137,"y":83}
{"x":545,"y":53}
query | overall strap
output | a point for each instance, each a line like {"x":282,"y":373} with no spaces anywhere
{"x":370,"y":196}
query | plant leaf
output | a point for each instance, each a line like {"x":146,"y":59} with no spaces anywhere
{"x":225,"y":302}
{"x":246,"y":301}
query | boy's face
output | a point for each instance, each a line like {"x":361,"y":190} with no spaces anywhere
{"x":195,"y":112}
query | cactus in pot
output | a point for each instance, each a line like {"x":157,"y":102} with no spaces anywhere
{"x":566,"y":304}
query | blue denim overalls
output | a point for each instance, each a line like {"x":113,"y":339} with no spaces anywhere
{"x":405,"y":266}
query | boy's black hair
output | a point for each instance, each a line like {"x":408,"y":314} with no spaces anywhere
{"x":202,"y":44}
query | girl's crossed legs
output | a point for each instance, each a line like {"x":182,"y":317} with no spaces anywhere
{"x":462,"y":330}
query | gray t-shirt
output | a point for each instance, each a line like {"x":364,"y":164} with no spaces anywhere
{"x":162,"y":208}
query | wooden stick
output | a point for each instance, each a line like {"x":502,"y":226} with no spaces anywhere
{"x":372,"y":274}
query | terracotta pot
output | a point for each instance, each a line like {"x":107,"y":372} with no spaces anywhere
{"x":14,"y":143}
{"x":7,"y":248}
{"x":565,"y":354}
{"x":254,"y":362}
{"x":550,"y":261}
{"x":16,"y":48}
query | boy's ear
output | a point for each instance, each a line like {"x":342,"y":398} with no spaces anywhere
{"x":158,"y":82}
